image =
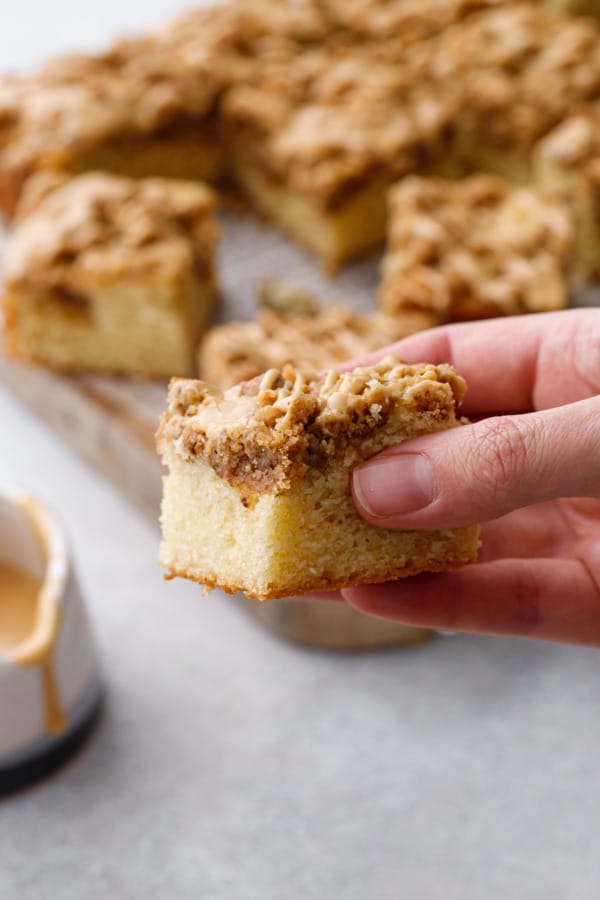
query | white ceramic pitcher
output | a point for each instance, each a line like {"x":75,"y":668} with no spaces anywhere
{"x":50,"y":689}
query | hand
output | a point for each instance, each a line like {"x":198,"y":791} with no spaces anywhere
{"x":527,"y":467}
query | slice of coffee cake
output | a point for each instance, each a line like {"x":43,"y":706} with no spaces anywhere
{"x":475,"y":248}
{"x":258,"y":497}
{"x":110,"y":274}
{"x":140,"y":109}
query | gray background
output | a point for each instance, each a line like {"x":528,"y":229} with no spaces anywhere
{"x":230,"y":764}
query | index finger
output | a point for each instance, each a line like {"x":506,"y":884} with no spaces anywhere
{"x":550,"y":599}
{"x":514,"y":364}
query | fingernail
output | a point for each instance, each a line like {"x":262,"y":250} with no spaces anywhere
{"x":394,"y":485}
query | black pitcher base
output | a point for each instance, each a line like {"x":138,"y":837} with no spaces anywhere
{"x":15,"y":778}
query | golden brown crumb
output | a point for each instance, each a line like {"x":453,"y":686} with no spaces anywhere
{"x":293,"y":329}
{"x":286,"y":298}
{"x":268,"y":432}
{"x":100,"y":226}
{"x":475,"y":247}
{"x":523,"y":69}
{"x":575,"y":142}
{"x":415,"y":19}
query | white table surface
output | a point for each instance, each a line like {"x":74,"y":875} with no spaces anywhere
{"x":232,"y":765}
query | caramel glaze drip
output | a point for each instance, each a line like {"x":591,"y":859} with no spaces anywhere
{"x":29,"y":624}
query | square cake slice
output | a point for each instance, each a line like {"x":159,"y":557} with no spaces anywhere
{"x":315,"y":146}
{"x":523,"y":68}
{"x":110,"y":274}
{"x":142,"y":108}
{"x":292,"y":327}
{"x":475,"y":248}
{"x":257,"y":497}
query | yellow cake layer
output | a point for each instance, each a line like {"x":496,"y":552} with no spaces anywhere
{"x":138,"y":328}
{"x":193,"y":155}
{"x":273,"y":546}
{"x":337,"y":236}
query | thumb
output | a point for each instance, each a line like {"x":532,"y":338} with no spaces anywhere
{"x":483,"y":470}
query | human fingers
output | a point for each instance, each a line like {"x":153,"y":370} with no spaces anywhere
{"x":513,"y":364}
{"x":534,"y":531}
{"x":554,"y":600}
{"x":537,"y":531}
{"x":481,"y":471}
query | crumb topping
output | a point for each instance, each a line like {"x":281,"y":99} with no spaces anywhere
{"x":291,"y":328}
{"x":338,"y":116}
{"x":575,"y":142}
{"x":321,"y":94}
{"x":286,"y":298}
{"x":138,"y":87}
{"x":100,"y":224}
{"x":267,"y":433}
{"x":144,"y":87}
{"x":417,"y":19}
{"x":475,"y":247}
{"x":523,"y":68}
{"x":402,"y":85}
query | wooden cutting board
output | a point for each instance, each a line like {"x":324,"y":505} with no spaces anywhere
{"x":111,"y":423}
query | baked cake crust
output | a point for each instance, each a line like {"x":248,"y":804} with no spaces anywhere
{"x":267,"y":433}
{"x":311,"y":584}
{"x":291,"y":327}
{"x":110,"y":274}
{"x":71,"y":231}
{"x":475,"y":248}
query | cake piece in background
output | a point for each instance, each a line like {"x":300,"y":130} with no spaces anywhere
{"x":257,"y":498}
{"x":568,"y":162}
{"x":292,"y":327}
{"x":140,"y":109}
{"x":317,"y":139}
{"x":147,"y":106}
{"x":317,"y":145}
{"x":522,"y":68}
{"x":475,"y":248}
{"x":110,"y":274}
